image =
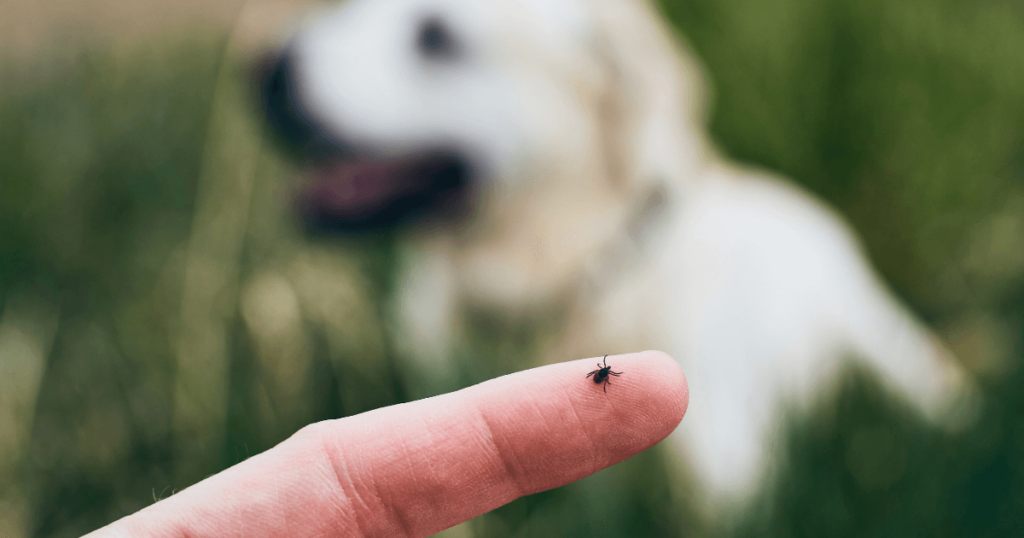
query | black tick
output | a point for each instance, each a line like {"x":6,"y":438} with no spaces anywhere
{"x":603,"y":372}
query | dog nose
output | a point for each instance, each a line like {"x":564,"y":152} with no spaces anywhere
{"x":286,"y":113}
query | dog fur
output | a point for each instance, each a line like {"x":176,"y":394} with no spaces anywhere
{"x":592,"y":183}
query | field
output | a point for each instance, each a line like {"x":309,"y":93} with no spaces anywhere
{"x":162,"y":317}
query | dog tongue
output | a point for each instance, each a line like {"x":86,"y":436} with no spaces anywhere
{"x":371,"y":193}
{"x":357,"y":188}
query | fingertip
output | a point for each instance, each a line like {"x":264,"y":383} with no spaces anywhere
{"x":664,"y":394}
{"x":641,"y":407}
{"x":669,"y":382}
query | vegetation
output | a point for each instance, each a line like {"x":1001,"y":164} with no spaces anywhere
{"x":907,"y":116}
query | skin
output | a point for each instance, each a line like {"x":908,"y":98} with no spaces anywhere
{"x":418,"y":468}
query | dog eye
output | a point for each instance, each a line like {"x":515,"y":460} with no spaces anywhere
{"x":435,"y":41}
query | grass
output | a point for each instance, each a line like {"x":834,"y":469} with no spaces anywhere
{"x":907,"y":116}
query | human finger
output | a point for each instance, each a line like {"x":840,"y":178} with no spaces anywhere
{"x":417,"y":468}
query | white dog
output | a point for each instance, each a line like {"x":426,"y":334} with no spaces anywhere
{"x":554,"y":151}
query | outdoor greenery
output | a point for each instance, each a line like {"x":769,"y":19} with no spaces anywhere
{"x":907,"y":116}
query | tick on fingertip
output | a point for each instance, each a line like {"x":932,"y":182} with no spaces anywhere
{"x":602,"y":373}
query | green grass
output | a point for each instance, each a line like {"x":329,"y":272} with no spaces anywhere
{"x":908,"y":117}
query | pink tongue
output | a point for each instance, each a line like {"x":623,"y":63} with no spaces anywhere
{"x":357,"y":188}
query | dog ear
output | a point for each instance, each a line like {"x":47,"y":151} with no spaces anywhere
{"x":654,"y":110}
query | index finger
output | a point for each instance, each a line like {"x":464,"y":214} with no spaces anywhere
{"x":417,"y":468}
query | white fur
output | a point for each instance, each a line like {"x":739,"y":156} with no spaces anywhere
{"x":600,"y":189}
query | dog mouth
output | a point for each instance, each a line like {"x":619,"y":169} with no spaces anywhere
{"x":351,"y":186}
{"x":367,"y":193}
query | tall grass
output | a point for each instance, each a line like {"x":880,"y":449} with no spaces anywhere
{"x":907,"y":116}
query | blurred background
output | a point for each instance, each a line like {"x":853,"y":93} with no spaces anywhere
{"x":163,"y":318}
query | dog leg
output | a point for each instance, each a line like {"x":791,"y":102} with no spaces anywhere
{"x":423,"y":316}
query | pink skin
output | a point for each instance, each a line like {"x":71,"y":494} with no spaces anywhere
{"x":417,"y":468}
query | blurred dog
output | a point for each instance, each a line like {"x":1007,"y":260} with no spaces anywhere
{"x":553,"y":151}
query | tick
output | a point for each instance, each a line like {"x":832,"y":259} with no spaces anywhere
{"x":602,"y":373}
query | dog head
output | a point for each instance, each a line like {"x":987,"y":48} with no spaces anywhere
{"x":536,"y":124}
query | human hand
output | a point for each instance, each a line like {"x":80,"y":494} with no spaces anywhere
{"x":420,"y":467}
